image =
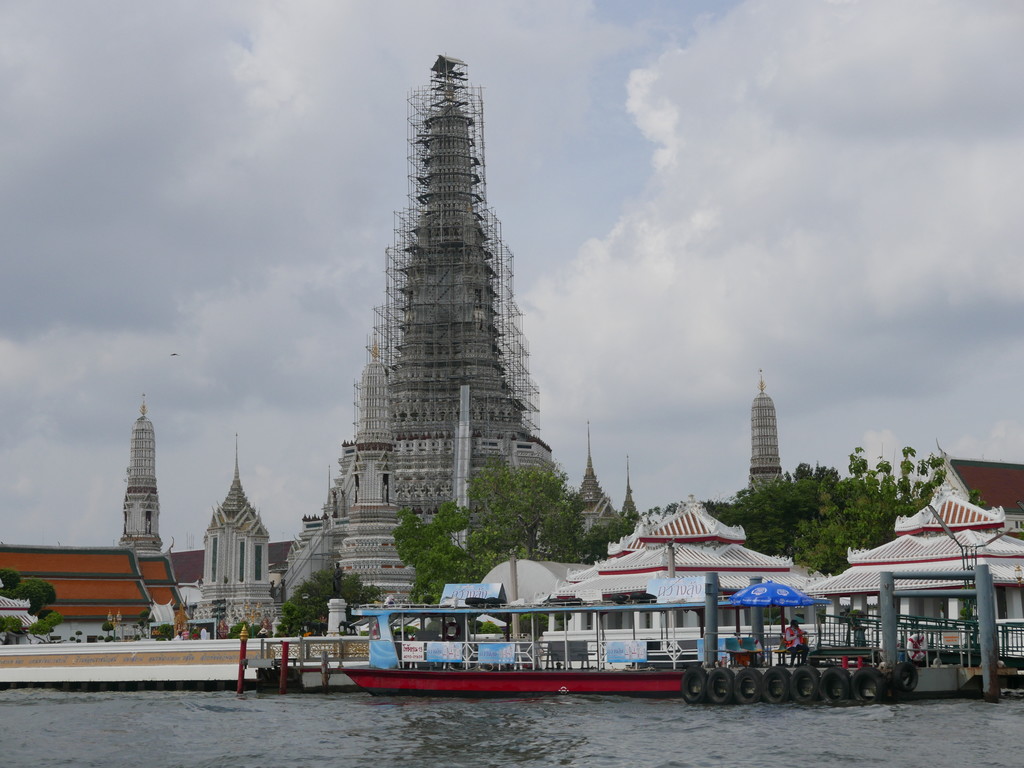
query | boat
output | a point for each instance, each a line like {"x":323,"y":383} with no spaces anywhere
{"x":452,"y":649}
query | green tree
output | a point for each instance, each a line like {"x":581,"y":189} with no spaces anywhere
{"x":307,"y":606}
{"x":45,"y":625}
{"x":435,"y":550}
{"x":528,"y":511}
{"x":10,"y":580}
{"x":860,"y":511}
{"x":771,"y":512}
{"x":594,"y":544}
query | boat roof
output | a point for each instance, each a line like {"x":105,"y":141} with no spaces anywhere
{"x":448,"y":610}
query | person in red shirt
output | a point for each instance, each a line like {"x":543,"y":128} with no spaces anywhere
{"x":795,"y":640}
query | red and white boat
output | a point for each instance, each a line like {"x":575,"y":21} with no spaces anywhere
{"x":453,"y":649}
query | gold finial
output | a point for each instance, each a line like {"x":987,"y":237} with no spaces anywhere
{"x":760,"y":373}
{"x":244,"y":634}
{"x":143,"y":409}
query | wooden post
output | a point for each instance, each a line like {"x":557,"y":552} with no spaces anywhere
{"x":282,"y":685}
{"x":243,"y":637}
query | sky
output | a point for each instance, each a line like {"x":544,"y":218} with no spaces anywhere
{"x":196,"y":199}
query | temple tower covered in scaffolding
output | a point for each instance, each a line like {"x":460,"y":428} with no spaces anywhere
{"x":449,"y":319}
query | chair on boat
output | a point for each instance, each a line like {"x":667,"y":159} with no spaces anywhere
{"x":578,"y":653}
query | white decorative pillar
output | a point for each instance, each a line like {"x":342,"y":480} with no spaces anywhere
{"x":335,"y":615}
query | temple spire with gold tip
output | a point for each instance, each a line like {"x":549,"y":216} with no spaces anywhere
{"x":596,"y":504}
{"x":765,"y":465}
{"x":141,"y":529}
{"x":628,"y":505}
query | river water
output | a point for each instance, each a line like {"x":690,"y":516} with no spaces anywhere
{"x":160,"y":730}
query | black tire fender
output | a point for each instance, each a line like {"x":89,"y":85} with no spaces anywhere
{"x":721,"y":686}
{"x":869,"y":685}
{"x":904,"y":677}
{"x":748,"y":687}
{"x":834,"y":685}
{"x":775,"y":685}
{"x":803,"y":686}
{"x":694,"y":685}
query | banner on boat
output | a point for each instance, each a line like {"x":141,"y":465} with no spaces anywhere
{"x":682,"y":589}
{"x":450,"y":653}
{"x":496,"y":653}
{"x":456,"y":595}
{"x":625,"y":651}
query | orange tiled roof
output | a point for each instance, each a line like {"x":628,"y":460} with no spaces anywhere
{"x":93,"y":582}
{"x":49,"y":562}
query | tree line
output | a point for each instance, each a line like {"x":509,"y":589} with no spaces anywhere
{"x":812,"y":515}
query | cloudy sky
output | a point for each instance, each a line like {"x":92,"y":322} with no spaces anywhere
{"x":828,"y":191}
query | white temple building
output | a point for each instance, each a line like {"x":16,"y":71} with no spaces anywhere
{"x":236,"y":578}
{"x":978,"y":536}
{"x":687,"y":542}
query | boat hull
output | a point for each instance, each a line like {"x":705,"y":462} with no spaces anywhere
{"x":482,"y":684}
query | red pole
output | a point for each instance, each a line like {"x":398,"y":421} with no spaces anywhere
{"x":244,"y":636}
{"x":283,"y":684}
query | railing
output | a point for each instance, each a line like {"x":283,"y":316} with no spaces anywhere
{"x":312,"y":649}
{"x":948,"y":640}
{"x":549,"y":654}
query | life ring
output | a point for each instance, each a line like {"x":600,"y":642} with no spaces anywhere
{"x":868,"y":685}
{"x":693,"y":686}
{"x":721,"y":685}
{"x":748,"y":686}
{"x":803,"y":685}
{"x":834,"y":685}
{"x":452,"y":630}
{"x":904,"y":677}
{"x":916,"y":651}
{"x":775,"y":685}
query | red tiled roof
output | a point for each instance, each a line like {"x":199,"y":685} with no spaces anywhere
{"x":34,"y":562}
{"x":188,"y":565}
{"x":1000,"y":484}
{"x":92,"y":582}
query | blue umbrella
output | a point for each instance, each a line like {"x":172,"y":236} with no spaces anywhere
{"x":772,"y":593}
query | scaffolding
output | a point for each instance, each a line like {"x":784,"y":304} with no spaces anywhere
{"x":449,"y":315}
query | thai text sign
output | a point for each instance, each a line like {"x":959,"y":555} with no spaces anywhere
{"x":625,"y":651}
{"x":682,"y":589}
{"x":447,"y":652}
{"x":413,"y":651}
{"x":496,"y":653}
{"x":456,"y":594}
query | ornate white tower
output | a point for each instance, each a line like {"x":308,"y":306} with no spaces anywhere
{"x":368,"y":549}
{"x":765,"y":465}
{"x":141,"y":503}
{"x":235,"y":565}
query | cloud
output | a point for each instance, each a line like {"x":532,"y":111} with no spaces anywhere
{"x":832,"y":198}
{"x":693,"y":192}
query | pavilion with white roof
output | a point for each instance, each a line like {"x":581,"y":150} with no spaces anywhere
{"x":975,"y":535}
{"x":687,"y":542}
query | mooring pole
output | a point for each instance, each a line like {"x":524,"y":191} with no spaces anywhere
{"x":757,"y":617}
{"x":243,"y":638}
{"x":282,"y":683}
{"x":988,"y":635}
{"x":887,"y":614}
{"x":710,"y":619}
